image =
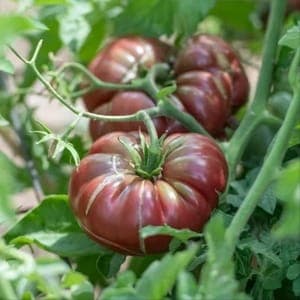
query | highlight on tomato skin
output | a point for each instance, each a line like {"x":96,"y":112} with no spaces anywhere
{"x":112,"y":202}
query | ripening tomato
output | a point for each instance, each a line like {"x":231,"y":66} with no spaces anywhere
{"x":206,"y":96}
{"x":212,"y":54}
{"x":112,"y":201}
{"x":120,"y":61}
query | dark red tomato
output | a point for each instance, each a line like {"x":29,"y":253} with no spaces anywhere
{"x":206,"y":96}
{"x":124,"y":103}
{"x":120,"y":62}
{"x":112,"y":203}
{"x":212,"y":54}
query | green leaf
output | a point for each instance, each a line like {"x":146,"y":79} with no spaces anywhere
{"x":217,"y":277}
{"x":273,"y":280}
{"x":51,"y":44}
{"x":242,"y":10}
{"x":6,"y":66}
{"x":84,"y":291}
{"x":181,"y":234}
{"x":109,"y":265}
{"x":74,"y":28}
{"x":14,"y":25}
{"x":166,"y":91}
{"x":52,"y":226}
{"x":268,"y":201}
{"x":3,"y":122}
{"x":72,"y":278}
{"x":288,"y":191}
{"x":139,"y":264}
{"x":296,"y":286}
{"x":155,"y":17}
{"x":14,"y":180}
{"x":186,"y":288}
{"x":167,"y":270}
{"x":291,"y":38}
{"x":293,"y":271}
{"x":98,"y":32}
{"x":122,"y":288}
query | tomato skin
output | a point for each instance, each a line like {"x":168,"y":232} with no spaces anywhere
{"x":205,"y":99}
{"x":211,"y":54}
{"x":112,"y":203}
{"x":119,"y":62}
{"x":124,"y":103}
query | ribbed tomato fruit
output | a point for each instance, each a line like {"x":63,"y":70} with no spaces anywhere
{"x":112,"y":202}
{"x":210,"y":78}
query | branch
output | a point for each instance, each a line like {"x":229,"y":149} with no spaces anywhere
{"x":271,"y":164}
{"x":256,"y":114}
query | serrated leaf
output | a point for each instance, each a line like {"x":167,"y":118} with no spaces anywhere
{"x":13,"y":25}
{"x":3,"y":122}
{"x":296,"y":286}
{"x":186,"y":288}
{"x":291,"y":38}
{"x":288,"y":191}
{"x":72,"y":278}
{"x":52,"y":226}
{"x":293,"y":271}
{"x":167,"y":269}
{"x":268,"y":200}
{"x":166,"y":91}
{"x":180,"y":234}
{"x":217,"y":277}
{"x":156,"y":18}
{"x":122,"y":288}
{"x":74,"y":28}
{"x":14,"y":180}
{"x":84,"y":291}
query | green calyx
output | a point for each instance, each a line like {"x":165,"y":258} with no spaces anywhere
{"x":147,"y":157}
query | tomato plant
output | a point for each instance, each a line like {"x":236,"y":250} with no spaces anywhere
{"x":187,"y":186}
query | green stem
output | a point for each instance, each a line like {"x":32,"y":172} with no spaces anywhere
{"x":271,"y":164}
{"x":257,"y":109}
{"x":187,"y":120}
{"x":150,"y":126}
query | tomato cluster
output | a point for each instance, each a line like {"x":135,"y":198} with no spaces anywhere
{"x":211,"y":82}
{"x":109,"y":192}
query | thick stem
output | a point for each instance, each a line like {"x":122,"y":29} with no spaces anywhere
{"x":187,"y":120}
{"x":270,"y":167}
{"x":257,"y":109}
{"x":150,"y":127}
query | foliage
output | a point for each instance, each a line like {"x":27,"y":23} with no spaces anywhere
{"x":250,"y":248}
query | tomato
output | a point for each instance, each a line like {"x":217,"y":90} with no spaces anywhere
{"x":206,"y":97}
{"x":210,"y":79}
{"x":212,"y":54}
{"x":120,"y":61}
{"x":125,"y":103}
{"x":279,"y":102}
{"x":112,"y":202}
